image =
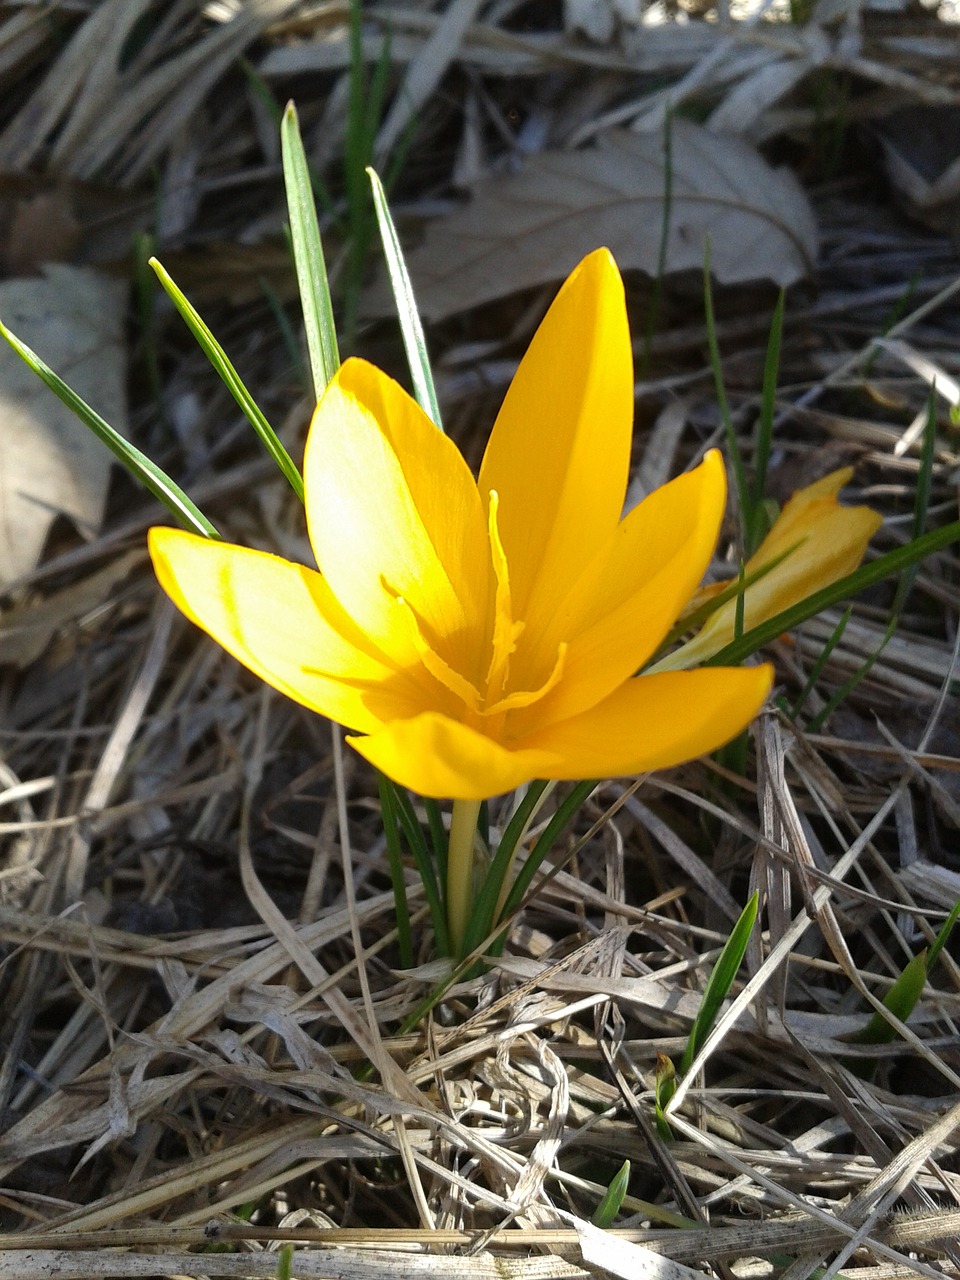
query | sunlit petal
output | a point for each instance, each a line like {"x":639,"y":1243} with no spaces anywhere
{"x":560,"y":449}
{"x":281,"y":621}
{"x":439,"y":757}
{"x":617,"y":614}
{"x":820,"y":542}
{"x":393,"y":511}
{"x":653,"y":722}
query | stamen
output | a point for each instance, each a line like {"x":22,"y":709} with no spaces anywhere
{"x":506,"y":632}
{"x":436,"y":665}
{"x":514,"y":700}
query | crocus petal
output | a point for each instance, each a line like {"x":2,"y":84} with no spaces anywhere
{"x":281,"y":621}
{"x":617,"y":614}
{"x":441,"y":758}
{"x":820,"y":541}
{"x":559,"y":451}
{"x":393,"y":511}
{"x":653,"y":722}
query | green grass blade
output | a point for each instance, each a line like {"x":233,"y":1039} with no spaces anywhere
{"x":391,"y":832}
{"x":218,"y":358}
{"x":285,"y":1263}
{"x":137,"y":463}
{"x":564,"y":813}
{"x":425,"y":869}
{"x":905,"y":585}
{"x":835,"y":637}
{"x":716,"y":365}
{"x":609,"y":1206}
{"x":720,"y":982}
{"x":737,"y":586}
{"x":764,"y":438}
{"x":933,"y":955}
{"x":922,"y":501}
{"x":738,"y":610}
{"x":867,"y":575}
{"x":414,"y":342}
{"x":438,"y":836}
{"x":290,"y":339}
{"x":816,"y":723}
{"x":901,"y":1000}
{"x":308,"y":257}
{"x":664,"y":1087}
{"x":481,"y":917}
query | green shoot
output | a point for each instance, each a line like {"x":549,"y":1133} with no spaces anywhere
{"x":716,"y":365}
{"x":364,"y":109}
{"x":720,"y":982}
{"x":900,"y":1000}
{"x":391,"y":831}
{"x":321,"y":330}
{"x":664,"y":1087}
{"x":138,"y":464}
{"x":411,"y":327}
{"x":718,"y":986}
{"x":402,"y":811}
{"x":609,"y":1206}
{"x":835,"y":637}
{"x":222,"y":366}
{"x":933,"y":954}
{"x":757,"y":521}
{"x":484,"y":910}
{"x":902,"y":997}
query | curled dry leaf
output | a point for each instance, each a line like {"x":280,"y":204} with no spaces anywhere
{"x":50,"y":464}
{"x":534,"y":226}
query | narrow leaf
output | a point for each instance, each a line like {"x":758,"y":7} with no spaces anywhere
{"x":564,"y":813}
{"x":218,"y":358}
{"x":665,"y":1086}
{"x":425,"y":869}
{"x":761,"y":453}
{"x":720,"y":982}
{"x":391,"y":832}
{"x":901,"y":1000}
{"x":411,"y":327}
{"x":941,"y":939}
{"x":481,"y":919}
{"x":716,"y":365}
{"x":137,"y":463}
{"x":834,"y":639}
{"x":308,"y":257}
{"x":609,"y":1206}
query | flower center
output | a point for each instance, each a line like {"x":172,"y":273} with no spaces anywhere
{"x":507,"y":632}
{"x":486,"y":704}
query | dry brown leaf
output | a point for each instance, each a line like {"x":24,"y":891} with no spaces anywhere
{"x":534,"y":227}
{"x":26,"y":631}
{"x":50,"y":464}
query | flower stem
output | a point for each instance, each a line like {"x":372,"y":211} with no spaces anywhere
{"x":460,"y":855}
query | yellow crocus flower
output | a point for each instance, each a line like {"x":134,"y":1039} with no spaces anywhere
{"x":477,"y":634}
{"x":816,"y":541}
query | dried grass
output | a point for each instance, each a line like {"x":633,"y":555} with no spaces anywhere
{"x":200,"y":995}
